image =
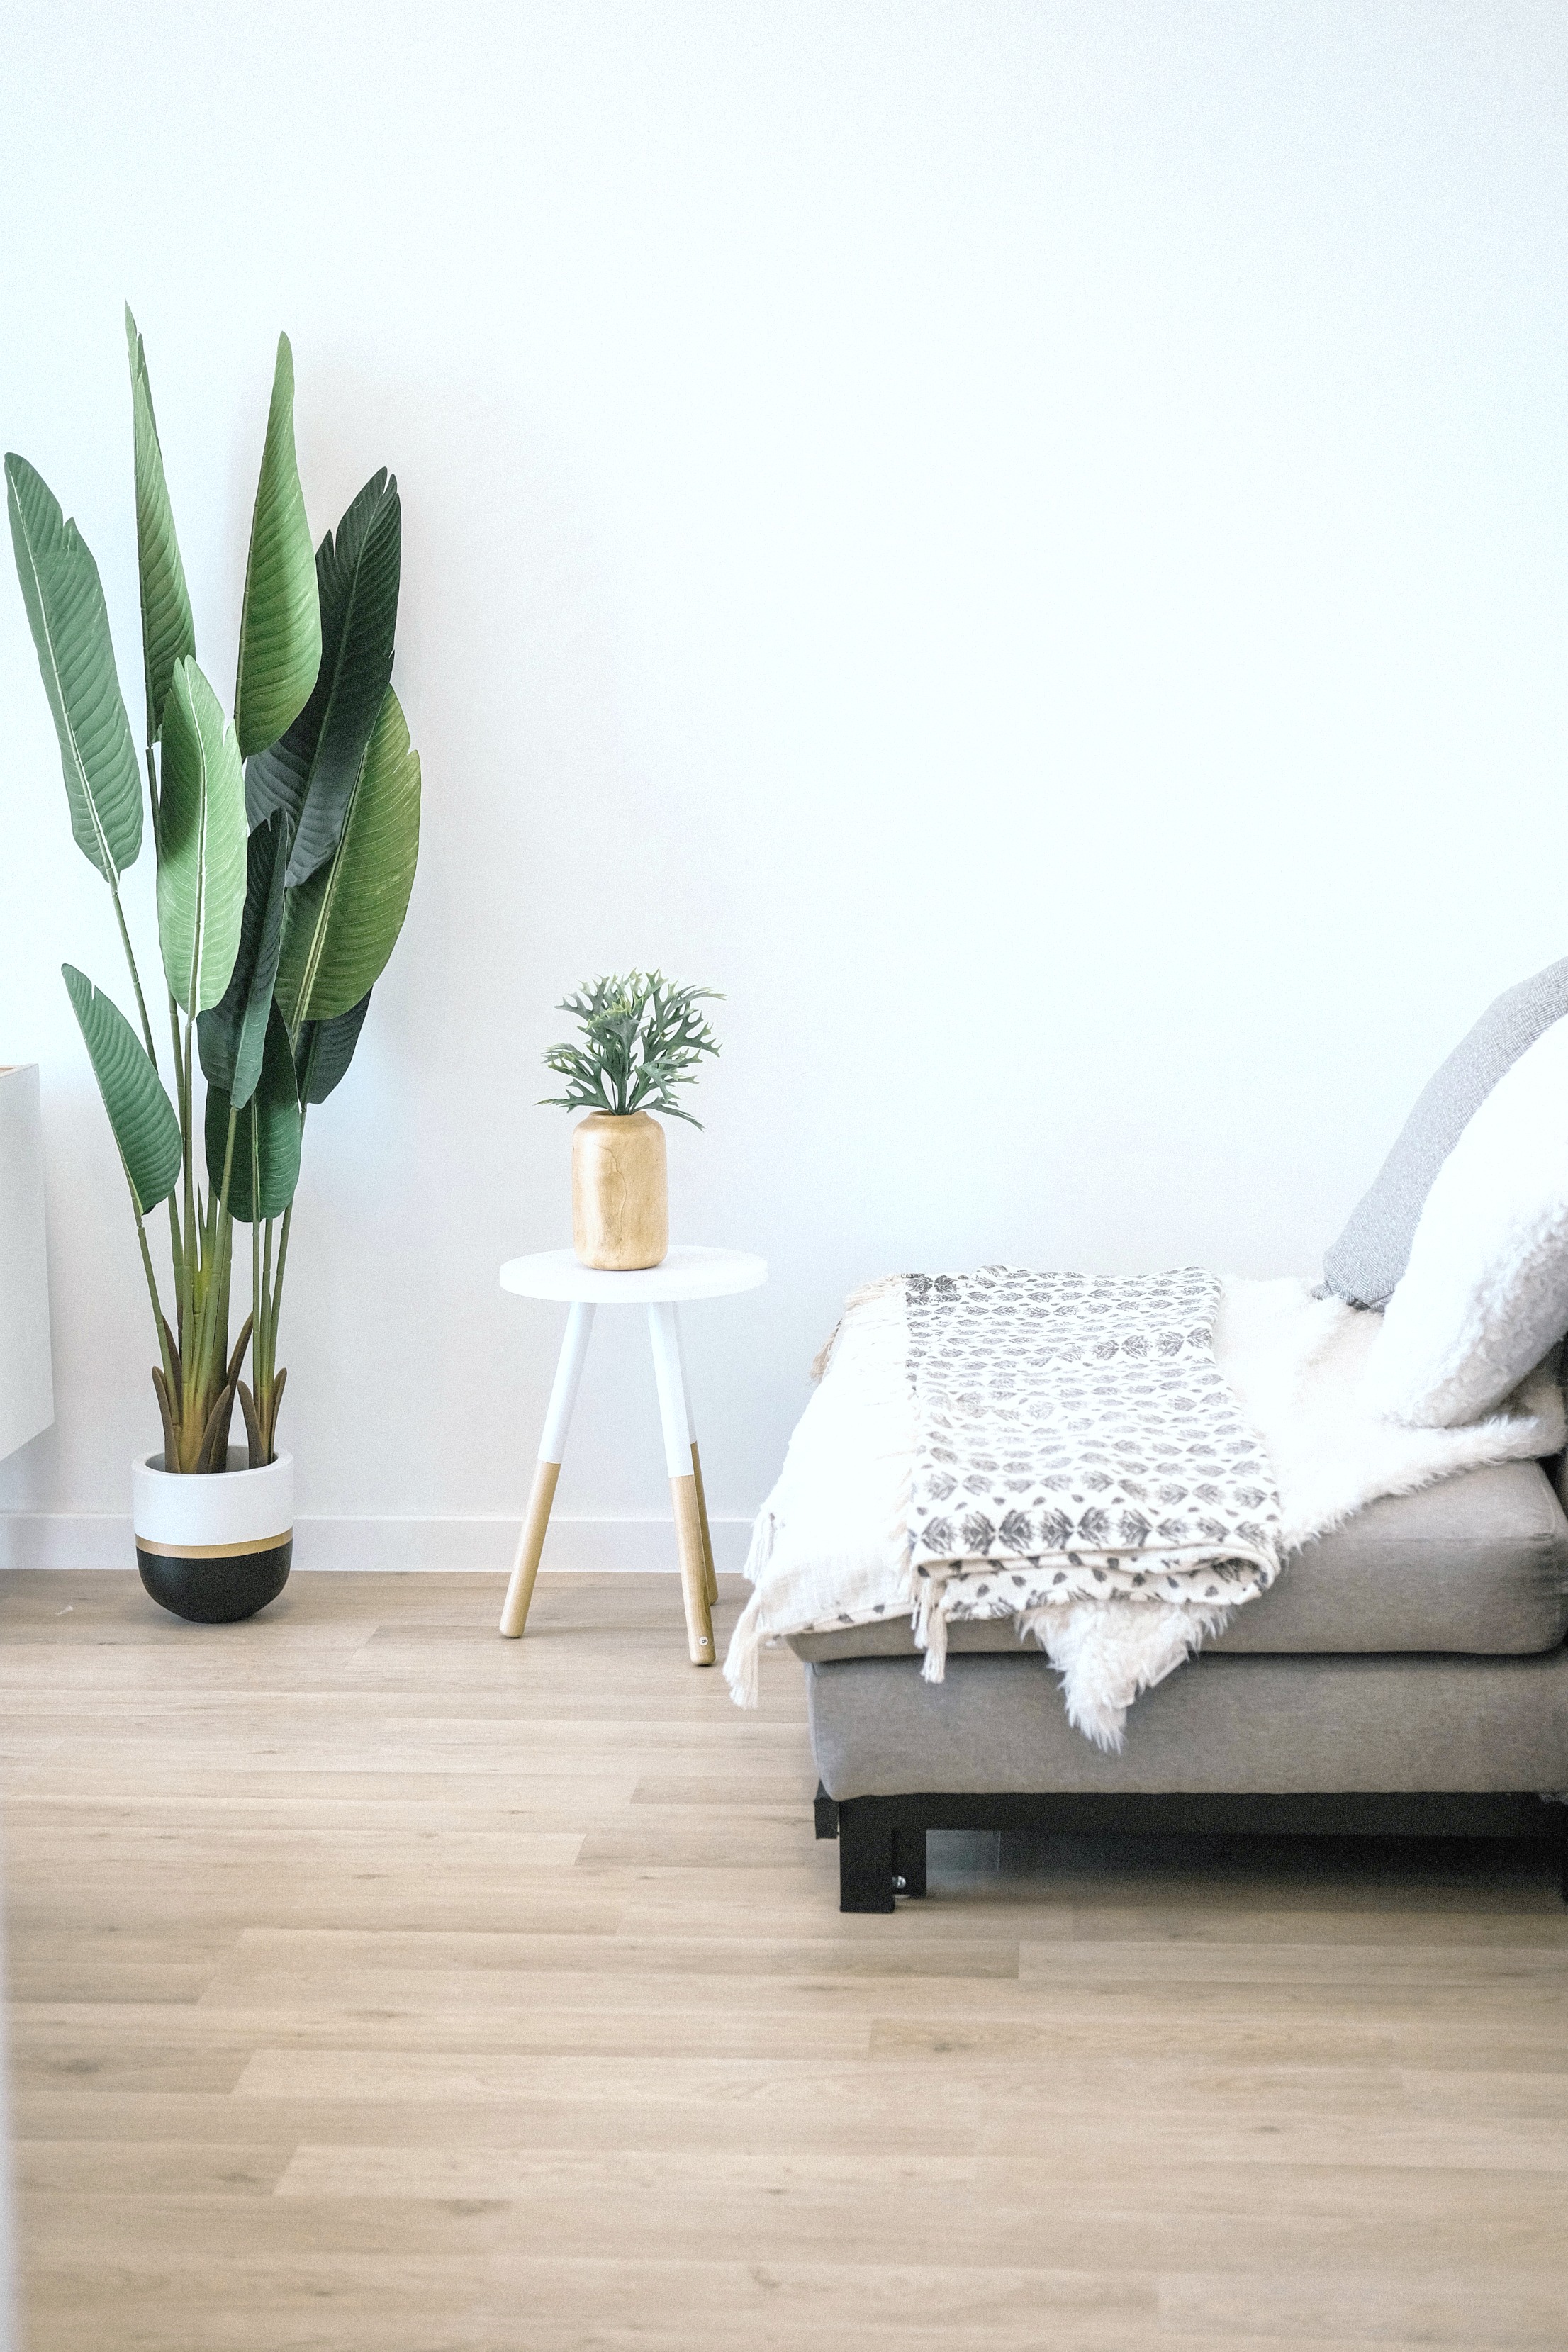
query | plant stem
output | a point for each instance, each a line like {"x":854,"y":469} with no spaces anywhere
{"x":277,"y":1298}
{"x":175,"y":1244}
{"x":135,"y":977}
{"x":228,"y":1156}
{"x":157,"y":1305}
{"x":185,"y":1102}
{"x":283,"y":1262}
{"x":174,"y":1034}
{"x":178,"y":1243}
{"x":266,"y":1299}
{"x":181,"y":1247}
{"x":220,"y":1229}
{"x":264,"y":1327}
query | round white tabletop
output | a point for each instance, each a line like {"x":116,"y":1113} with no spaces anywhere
{"x":685,"y":1273}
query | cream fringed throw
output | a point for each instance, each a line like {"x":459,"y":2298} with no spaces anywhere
{"x":1136,"y":1579}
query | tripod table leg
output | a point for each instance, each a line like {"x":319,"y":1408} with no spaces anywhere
{"x":710,"y":1575}
{"x":664,"y":1331}
{"x":552,"y":1446}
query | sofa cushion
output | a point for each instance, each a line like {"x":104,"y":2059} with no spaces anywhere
{"x":1371,"y":1254}
{"x":1478,"y":1564}
{"x":1484,"y":1299}
{"x":1222,"y":1725}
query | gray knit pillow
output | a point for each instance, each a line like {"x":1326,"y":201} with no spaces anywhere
{"x":1373,"y":1250}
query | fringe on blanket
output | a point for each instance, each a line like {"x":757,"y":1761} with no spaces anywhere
{"x":1107,"y":1654}
{"x":740,"y":1659}
{"x":929,"y":1625}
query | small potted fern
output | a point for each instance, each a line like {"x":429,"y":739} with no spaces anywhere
{"x":642,"y":1037}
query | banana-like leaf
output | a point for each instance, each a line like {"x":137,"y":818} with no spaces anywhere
{"x":168,"y":632}
{"x":272,"y":1117}
{"x":280,"y":619}
{"x":340,"y":927}
{"x":231,"y":1037}
{"x":140,"y":1114}
{"x":201,"y":843}
{"x":64,"y":597}
{"x":311,"y":772}
{"x":323,"y":1050}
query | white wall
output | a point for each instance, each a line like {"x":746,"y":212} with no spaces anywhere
{"x":1026,"y":543}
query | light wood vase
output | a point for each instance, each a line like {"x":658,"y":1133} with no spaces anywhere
{"x":620,"y":1191}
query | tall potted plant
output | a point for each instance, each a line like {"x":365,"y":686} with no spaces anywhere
{"x":286,"y":844}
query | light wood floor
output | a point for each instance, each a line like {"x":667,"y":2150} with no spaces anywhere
{"x":382,"y":1987}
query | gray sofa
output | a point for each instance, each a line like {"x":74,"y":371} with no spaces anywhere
{"x":1406,"y":1676}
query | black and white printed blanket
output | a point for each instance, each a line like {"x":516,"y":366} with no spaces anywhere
{"x":1075,"y":1437}
{"x":1069,"y":1454}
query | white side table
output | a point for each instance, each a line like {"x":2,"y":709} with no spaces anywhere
{"x":685,"y":1273}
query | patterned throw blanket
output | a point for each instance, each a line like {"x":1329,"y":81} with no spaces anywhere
{"x":1097,"y":1460}
{"x":1075,"y":1440}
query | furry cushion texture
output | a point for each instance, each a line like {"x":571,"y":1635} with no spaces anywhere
{"x":1371,"y":1254}
{"x":1485,"y":1295}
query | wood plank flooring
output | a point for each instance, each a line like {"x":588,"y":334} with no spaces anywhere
{"x":378,"y":1986}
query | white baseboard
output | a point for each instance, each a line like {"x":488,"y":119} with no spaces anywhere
{"x":67,"y":1540}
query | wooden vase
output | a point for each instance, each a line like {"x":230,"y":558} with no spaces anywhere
{"x":620,"y":1191}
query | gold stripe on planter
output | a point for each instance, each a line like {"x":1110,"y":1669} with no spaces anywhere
{"x":214,"y":1551}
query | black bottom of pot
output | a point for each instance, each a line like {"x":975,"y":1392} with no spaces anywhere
{"x":216,"y":1591}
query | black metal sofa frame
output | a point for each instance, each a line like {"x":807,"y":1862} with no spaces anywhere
{"x":882,"y":1839}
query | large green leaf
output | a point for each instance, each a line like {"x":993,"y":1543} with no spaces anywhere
{"x":340,"y":927}
{"x":64,"y":597}
{"x":312,"y":769}
{"x":168,"y":632}
{"x":201,"y":843}
{"x":140,"y":1112}
{"x":280,"y":619}
{"x":231,"y":1037}
{"x":323,"y":1050}
{"x":269,"y":1125}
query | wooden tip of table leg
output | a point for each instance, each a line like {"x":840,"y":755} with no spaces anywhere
{"x":530,"y":1545}
{"x":710,"y":1578}
{"x":693,"y":1571}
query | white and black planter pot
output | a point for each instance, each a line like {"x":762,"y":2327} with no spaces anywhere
{"x":214,"y":1548}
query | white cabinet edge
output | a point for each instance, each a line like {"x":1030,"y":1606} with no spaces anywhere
{"x":26,"y":1369}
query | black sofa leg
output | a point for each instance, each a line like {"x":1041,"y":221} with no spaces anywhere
{"x":826,"y":1813}
{"x":866,"y":1872}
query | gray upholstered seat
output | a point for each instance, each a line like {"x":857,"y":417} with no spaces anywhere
{"x":1476,"y":1565}
{"x":1235,"y":1724}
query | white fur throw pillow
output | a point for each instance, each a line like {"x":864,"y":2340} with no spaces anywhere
{"x":1485,"y":1295}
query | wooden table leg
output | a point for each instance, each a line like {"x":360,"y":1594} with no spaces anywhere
{"x":709,"y":1573}
{"x":552,"y":1447}
{"x":665,"y":1329}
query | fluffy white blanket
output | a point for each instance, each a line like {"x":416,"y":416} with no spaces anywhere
{"x":831,"y":1546}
